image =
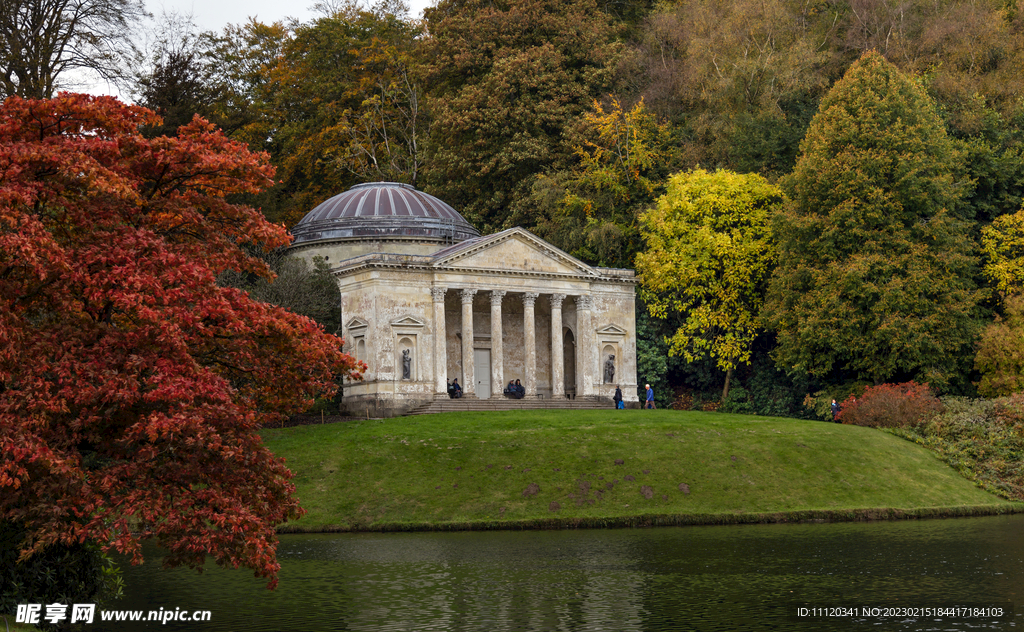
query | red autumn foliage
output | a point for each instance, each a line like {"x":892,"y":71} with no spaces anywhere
{"x":891,"y":405}
{"x":132,"y":387}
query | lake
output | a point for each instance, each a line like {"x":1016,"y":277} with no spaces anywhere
{"x":908,"y":575}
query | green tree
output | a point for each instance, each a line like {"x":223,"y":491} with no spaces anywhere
{"x":506,"y":79}
{"x":302,"y":288}
{"x":592,"y":210}
{"x":652,"y":361}
{"x":177,"y":81}
{"x":875,"y":270}
{"x":1000,"y":356}
{"x":741,"y":78}
{"x":342,"y":106}
{"x":709,"y":256}
{"x":242,"y":57}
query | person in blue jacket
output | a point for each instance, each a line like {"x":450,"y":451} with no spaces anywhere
{"x":650,"y":396}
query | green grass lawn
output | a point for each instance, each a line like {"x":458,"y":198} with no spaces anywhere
{"x":593,"y":468}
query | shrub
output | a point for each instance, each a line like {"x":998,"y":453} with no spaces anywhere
{"x":818,"y":405}
{"x":738,"y":401}
{"x":981,"y":439}
{"x":891,"y":406}
{"x":710,"y":405}
{"x":683,"y":401}
{"x":1000,"y":356}
{"x":60,"y":573}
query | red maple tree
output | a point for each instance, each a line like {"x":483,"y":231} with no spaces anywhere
{"x":132,"y":386}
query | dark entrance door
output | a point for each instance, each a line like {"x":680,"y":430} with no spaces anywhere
{"x":569,"y":362}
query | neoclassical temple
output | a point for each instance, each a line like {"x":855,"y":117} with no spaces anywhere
{"x":427,"y":299}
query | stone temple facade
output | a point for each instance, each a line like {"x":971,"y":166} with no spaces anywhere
{"x":427,"y":299}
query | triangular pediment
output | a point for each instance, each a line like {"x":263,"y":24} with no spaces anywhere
{"x":407,"y":321}
{"x":611,"y":330}
{"x":357,"y":323}
{"x":515,"y":250}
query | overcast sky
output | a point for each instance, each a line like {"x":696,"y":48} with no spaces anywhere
{"x":214,"y":15}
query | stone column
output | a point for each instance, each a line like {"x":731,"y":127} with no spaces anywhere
{"x":586,"y":351}
{"x":469,"y":388}
{"x":530,"y":344}
{"x":497,"y":350}
{"x":557,"y":370}
{"x":440,"y":343}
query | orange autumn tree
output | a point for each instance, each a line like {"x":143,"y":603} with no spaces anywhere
{"x":132,"y":386}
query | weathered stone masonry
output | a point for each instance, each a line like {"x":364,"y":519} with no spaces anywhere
{"x":483,"y":309}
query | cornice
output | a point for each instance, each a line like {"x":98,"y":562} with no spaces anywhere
{"x":488,"y":272}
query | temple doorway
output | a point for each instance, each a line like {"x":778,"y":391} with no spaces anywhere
{"x":569,"y":362}
{"x":482,"y":372}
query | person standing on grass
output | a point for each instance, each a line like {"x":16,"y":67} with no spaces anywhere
{"x":835,"y":411}
{"x":618,"y":397}
{"x":650,"y":396}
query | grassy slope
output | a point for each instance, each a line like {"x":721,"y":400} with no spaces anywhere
{"x":472,"y":469}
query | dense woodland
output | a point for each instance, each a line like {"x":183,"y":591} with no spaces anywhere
{"x":575,"y":118}
{"x":569,"y":117}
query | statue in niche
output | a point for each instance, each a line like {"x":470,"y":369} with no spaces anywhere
{"x":609,"y":370}
{"x":406,"y":364}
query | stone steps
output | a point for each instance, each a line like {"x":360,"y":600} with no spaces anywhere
{"x":458,"y":405}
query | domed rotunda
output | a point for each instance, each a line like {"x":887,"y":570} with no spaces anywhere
{"x":368,"y":216}
{"x":427,"y":301}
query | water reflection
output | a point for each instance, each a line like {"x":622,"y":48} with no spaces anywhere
{"x":692,"y":578}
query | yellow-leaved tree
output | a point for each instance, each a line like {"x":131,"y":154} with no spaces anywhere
{"x":1002,"y":245}
{"x":709,"y":257}
{"x":1000,"y":358}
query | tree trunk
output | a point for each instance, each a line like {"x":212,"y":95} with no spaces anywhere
{"x":725,"y":390}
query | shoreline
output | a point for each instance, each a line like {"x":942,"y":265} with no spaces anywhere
{"x":641,"y":521}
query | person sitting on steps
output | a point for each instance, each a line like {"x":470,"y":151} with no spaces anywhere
{"x":454,"y":390}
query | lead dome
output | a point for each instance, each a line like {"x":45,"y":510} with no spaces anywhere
{"x":394,"y":217}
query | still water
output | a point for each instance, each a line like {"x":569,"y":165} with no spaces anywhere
{"x":752,"y":577}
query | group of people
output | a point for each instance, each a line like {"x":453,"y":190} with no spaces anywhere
{"x":649,"y":403}
{"x":518,"y":391}
{"x":515,"y":390}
